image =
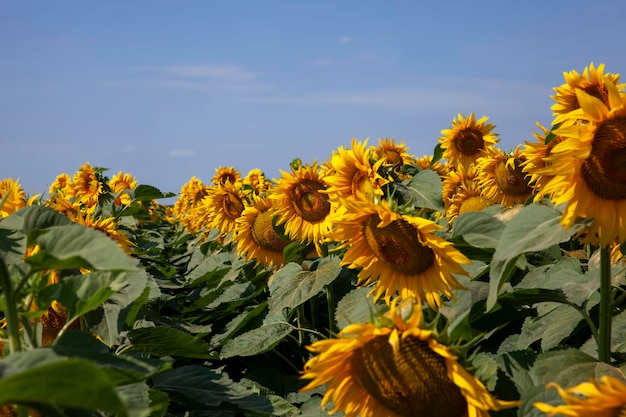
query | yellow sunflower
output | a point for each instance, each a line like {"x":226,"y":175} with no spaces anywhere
{"x":502,"y":179}
{"x":256,"y":238}
{"x":392,"y":153}
{"x":397,"y":252}
{"x":106,"y":225}
{"x":468,"y":199}
{"x":589,"y":167}
{"x":467,"y":140}
{"x":425,"y":162}
{"x":396,"y":369}
{"x":351,"y":173}
{"x":220,"y":209}
{"x":534,"y":154}
{"x":63,"y":185}
{"x":14,"y":197}
{"x":604,"y":398}
{"x":457,"y":179}
{"x":256,"y":182}
{"x":120,"y":183}
{"x":226,"y":174}
{"x":593,"y":81}
{"x":302,"y":203}
{"x":87,"y":186}
{"x":191,"y":193}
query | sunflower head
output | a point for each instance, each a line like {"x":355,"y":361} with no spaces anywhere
{"x":225,"y":175}
{"x":88,"y":185}
{"x":503,"y":180}
{"x":120,"y":183}
{"x":593,"y":81}
{"x":467,"y":139}
{"x":395,"y":368}
{"x":256,"y":182}
{"x":220,"y":209}
{"x":393,"y":154}
{"x":12,"y":197}
{"x":302,"y":203}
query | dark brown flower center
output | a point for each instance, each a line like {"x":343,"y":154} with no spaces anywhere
{"x":469,"y":141}
{"x":598,"y":91}
{"x":411,"y":383}
{"x":397,"y":245}
{"x":200,"y":195}
{"x":393,"y":157}
{"x":232,"y":205}
{"x":511,"y":180}
{"x":604,"y":171}
{"x":264,"y":235}
{"x":308,"y":202}
{"x":227,"y":177}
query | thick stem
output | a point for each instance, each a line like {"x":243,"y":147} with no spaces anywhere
{"x":606,"y":304}
{"x":13,"y":323}
{"x":330,"y":298}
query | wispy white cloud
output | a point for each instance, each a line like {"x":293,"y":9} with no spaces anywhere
{"x":345,"y":39}
{"x":498,"y":96}
{"x":201,"y":77}
{"x":322,"y":61}
{"x":181,"y":153}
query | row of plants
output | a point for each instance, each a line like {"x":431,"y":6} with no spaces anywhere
{"x":470,"y":282}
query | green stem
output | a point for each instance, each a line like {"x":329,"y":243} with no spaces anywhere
{"x":11,"y":314}
{"x":330,"y":298}
{"x":606,"y":303}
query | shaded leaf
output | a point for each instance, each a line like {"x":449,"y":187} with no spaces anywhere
{"x":167,"y":341}
{"x":256,"y":341}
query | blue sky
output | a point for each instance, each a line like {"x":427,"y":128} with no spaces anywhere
{"x":167,"y":90}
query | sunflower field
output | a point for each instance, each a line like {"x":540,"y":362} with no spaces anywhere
{"x":471,"y":282}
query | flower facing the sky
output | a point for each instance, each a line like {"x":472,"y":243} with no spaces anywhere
{"x":467,"y":139}
{"x":121,"y":183}
{"x":593,"y":81}
{"x":603,"y":398}
{"x":256,"y":237}
{"x":395,"y":369}
{"x":392,"y":153}
{"x":302,"y":203}
{"x":589,"y":167}
{"x":397,"y":253}
{"x":351,"y":172}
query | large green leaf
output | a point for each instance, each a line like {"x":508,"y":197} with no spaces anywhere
{"x":147,"y":192}
{"x":75,"y":246}
{"x":423,"y":190}
{"x":74,"y":383}
{"x":534,"y":228}
{"x":257,"y":341}
{"x":167,"y":341}
{"x":202,"y":388}
{"x":292,"y":286}
{"x":479,"y":229}
{"x":357,"y":307}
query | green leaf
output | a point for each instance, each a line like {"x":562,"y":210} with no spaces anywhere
{"x":357,"y":307}
{"x":147,"y":192}
{"x":256,"y":341}
{"x":75,"y":246}
{"x":74,"y":383}
{"x":478,"y":229}
{"x":237,"y":323}
{"x":534,"y":228}
{"x":291,"y":286}
{"x":167,"y":341}
{"x":423,"y":190}
{"x":437,"y":154}
{"x":551,"y":328}
{"x":200,"y":387}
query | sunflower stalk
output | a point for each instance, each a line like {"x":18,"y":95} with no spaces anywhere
{"x":11,"y":313}
{"x":330,"y":298}
{"x":606,"y":304}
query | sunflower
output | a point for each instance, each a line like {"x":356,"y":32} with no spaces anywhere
{"x":64,"y":206}
{"x":120,"y":183}
{"x":13,"y":195}
{"x":226,"y":174}
{"x":393,"y":154}
{"x":467,"y":140}
{"x":88,"y":186}
{"x":425,"y":162}
{"x":191,"y":193}
{"x":593,"y":81}
{"x":350,"y":172}
{"x":534,"y":154}
{"x":106,"y":225}
{"x":502,"y":179}
{"x":604,"y":398}
{"x":63,"y":185}
{"x":302,"y":203}
{"x":457,"y":179}
{"x":396,"y":369}
{"x":220,"y":209}
{"x":397,"y":252}
{"x":467,"y":199}
{"x":589,"y":167}
{"x":256,"y":182}
{"x":255,"y":235}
